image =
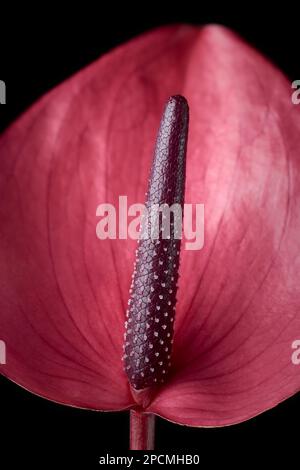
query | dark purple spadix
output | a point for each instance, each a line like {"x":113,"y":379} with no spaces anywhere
{"x":151,"y":312}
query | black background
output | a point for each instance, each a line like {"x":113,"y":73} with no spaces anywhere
{"x":39,"y":49}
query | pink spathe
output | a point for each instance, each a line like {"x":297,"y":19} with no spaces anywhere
{"x":63,"y":292}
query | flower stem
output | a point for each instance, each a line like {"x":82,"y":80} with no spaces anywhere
{"x":142,"y":430}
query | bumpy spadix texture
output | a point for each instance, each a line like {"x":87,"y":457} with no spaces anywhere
{"x":63,"y":292}
{"x":151,"y":312}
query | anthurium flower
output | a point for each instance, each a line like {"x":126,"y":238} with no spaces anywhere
{"x":63,"y":292}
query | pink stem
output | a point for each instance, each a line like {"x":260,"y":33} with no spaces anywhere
{"x":142,"y":430}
